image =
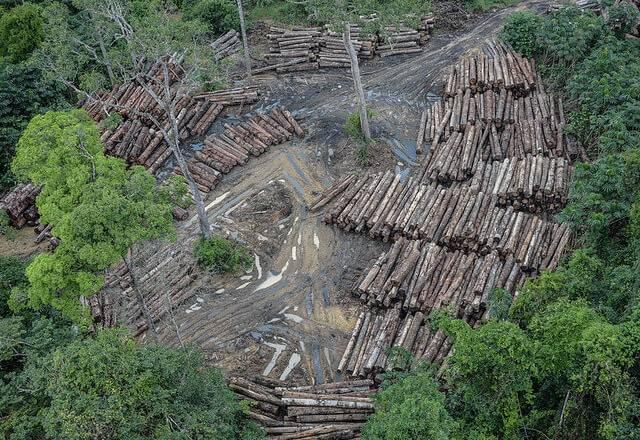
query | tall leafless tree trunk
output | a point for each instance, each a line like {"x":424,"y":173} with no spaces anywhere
{"x":245,"y":42}
{"x":357,"y":83}
{"x":172,"y":138}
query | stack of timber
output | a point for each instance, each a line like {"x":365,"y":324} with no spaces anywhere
{"x":299,"y":49}
{"x":534,"y":184}
{"x":380,"y":332}
{"x":492,"y":126}
{"x":226,"y":45}
{"x":459,"y":217}
{"x":20,"y":205}
{"x":423,"y":276}
{"x":398,"y":41}
{"x":491,"y":123}
{"x":328,"y":411}
{"x":236,"y":143}
{"x":292,"y":50}
{"x":237,"y":96}
{"x":414,"y":278}
{"x":137,"y":139}
{"x":499,"y":66}
{"x":334,"y":54}
{"x":427,"y":23}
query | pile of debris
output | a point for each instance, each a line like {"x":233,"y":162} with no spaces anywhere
{"x":226,"y":45}
{"x":233,"y":147}
{"x":20,"y":205}
{"x":328,"y":411}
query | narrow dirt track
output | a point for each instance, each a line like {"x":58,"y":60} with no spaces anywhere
{"x":291,"y":315}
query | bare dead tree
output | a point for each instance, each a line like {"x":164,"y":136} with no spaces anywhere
{"x":245,"y":42}
{"x":357,"y":83}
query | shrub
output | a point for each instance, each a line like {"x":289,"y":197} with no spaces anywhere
{"x":362,"y":155}
{"x":521,"y":31}
{"x":352,"y":125}
{"x":219,"y":15}
{"x":221,"y":255}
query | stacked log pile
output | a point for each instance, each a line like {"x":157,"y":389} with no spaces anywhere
{"x":237,"y":96}
{"x":424,"y":276}
{"x":535,"y":184}
{"x":399,"y":41}
{"x":292,"y":50}
{"x":237,"y":143}
{"x":137,"y":139}
{"x":461,"y":217}
{"x":416,"y":277}
{"x":226,"y":45}
{"x":328,"y":411}
{"x":20,"y":205}
{"x":334,"y":54}
{"x":515,"y":127}
{"x":427,"y":23}
{"x":492,"y":110}
{"x":379,"y":332}
{"x":298,"y":49}
{"x":498,"y":67}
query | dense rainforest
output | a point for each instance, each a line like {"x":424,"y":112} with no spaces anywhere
{"x":559,"y":361}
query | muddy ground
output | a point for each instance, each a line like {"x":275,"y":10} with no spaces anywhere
{"x":290,"y":316}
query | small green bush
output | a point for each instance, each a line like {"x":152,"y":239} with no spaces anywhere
{"x":521,"y":32}
{"x":222,"y":255}
{"x":352,"y":125}
{"x":219,"y":15}
{"x":362,"y":155}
